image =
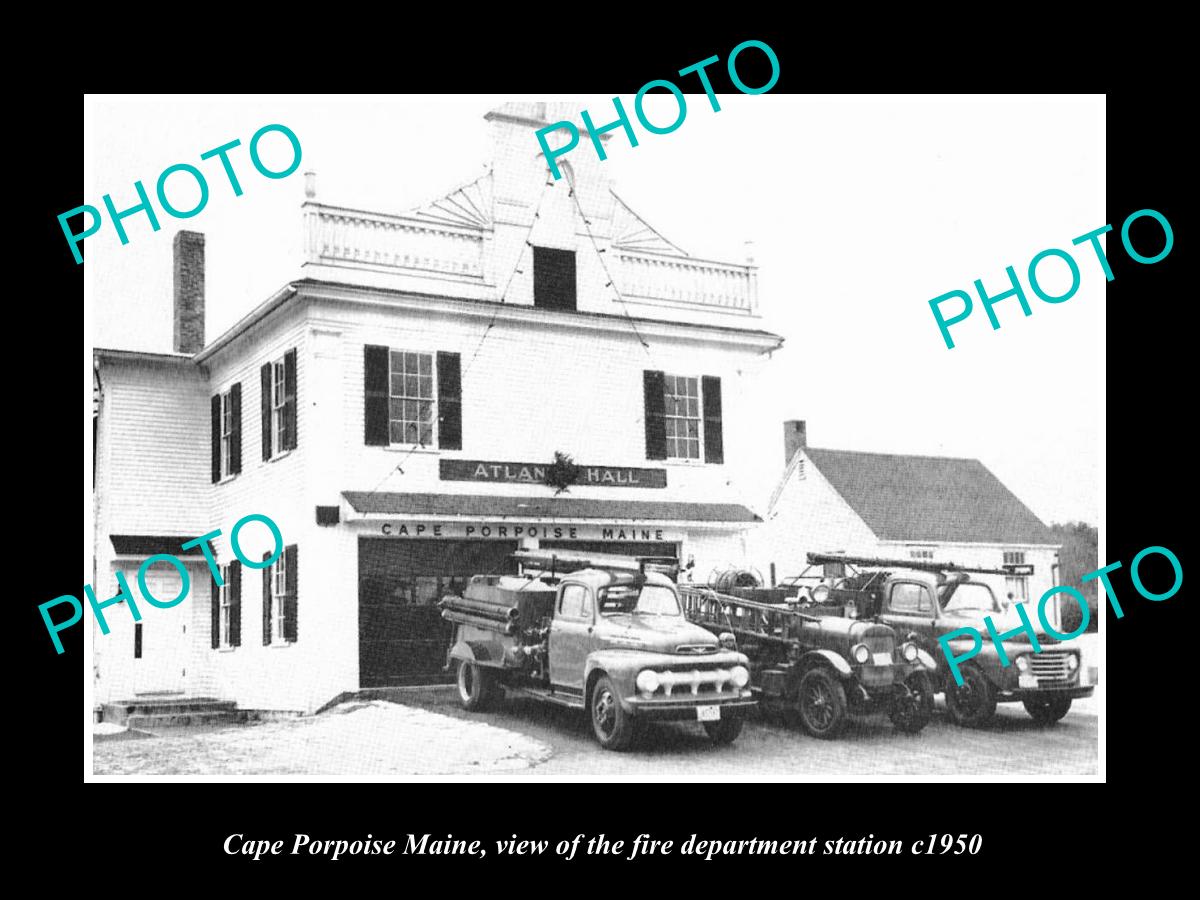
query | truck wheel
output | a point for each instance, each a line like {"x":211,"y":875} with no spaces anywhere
{"x":1047,"y":711}
{"x":615,"y":729}
{"x":912,"y":706}
{"x":477,"y":687}
{"x":726,"y":729}
{"x":821,"y":704}
{"x":973,"y":703}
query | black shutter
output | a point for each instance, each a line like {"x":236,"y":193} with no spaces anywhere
{"x":291,"y":602}
{"x":235,"y":604}
{"x":265,"y":405}
{"x":235,"y":438}
{"x":266,"y":612}
{"x":375,"y":390}
{"x":289,"y":401}
{"x":216,"y":611}
{"x":449,"y":367}
{"x":216,"y":438}
{"x":714,"y":445}
{"x":654,"y":384}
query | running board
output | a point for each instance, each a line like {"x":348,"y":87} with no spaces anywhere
{"x":557,"y":697}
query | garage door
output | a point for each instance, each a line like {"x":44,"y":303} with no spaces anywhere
{"x":402,"y":636}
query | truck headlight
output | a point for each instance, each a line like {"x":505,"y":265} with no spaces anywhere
{"x":647,"y":681}
{"x":728,"y":640}
{"x":860,"y":654}
{"x":1022,"y":663}
{"x":740,"y":675}
{"x":910,"y":652}
{"x":1072,"y":662}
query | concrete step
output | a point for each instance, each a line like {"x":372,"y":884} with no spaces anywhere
{"x":196,"y":719}
{"x":122,"y":711}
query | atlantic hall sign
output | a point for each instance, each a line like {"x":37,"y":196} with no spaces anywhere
{"x":535,"y":473}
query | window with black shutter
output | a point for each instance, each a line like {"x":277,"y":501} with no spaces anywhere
{"x":267,"y":578}
{"x":216,"y":438}
{"x":137,"y":641}
{"x":655,"y":413}
{"x":228,"y":447}
{"x":449,"y":401}
{"x":235,"y":604}
{"x":292,"y":595}
{"x":553,"y":278}
{"x":215,"y":601}
{"x":265,"y":408}
{"x":279,"y":404}
{"x":714,"y":444}
{"x":375,"y":394}
{"x":289,"y":401}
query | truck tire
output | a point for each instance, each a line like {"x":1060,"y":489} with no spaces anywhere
{"x":726,"y":729}
{"x":821,"y":703}
{"x":477,"y":685}
{"x":973,"y":703}
{"x":1049,"y":710}
{"x":912,"y":706}
{"x":615,"y":729}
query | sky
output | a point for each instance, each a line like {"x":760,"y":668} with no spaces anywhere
{"x":860,"y":211}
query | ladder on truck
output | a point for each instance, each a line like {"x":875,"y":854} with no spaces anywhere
{"x":745,"y":618}
{"x":554,"y":562}
{"x":948,"y":570}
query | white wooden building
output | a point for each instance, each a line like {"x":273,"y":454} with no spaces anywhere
{"x":903,"y":507}
{"x":395,"y":408}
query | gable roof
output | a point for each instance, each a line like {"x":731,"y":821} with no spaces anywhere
{"x":929,"y":498}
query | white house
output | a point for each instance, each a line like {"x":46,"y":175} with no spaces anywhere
{"x":903,"y":507}
{"x":395,"y":407}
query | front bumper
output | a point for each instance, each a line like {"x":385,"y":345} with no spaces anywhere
{"x":1074,"y":692}
{"x":666,"y":709}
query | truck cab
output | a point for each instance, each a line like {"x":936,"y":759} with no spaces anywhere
{"x":611,"y":641}
{"x":922,"y":606}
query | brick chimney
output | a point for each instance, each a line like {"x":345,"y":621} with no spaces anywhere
{"x":188,"y":279}
{"x":795,"y":437}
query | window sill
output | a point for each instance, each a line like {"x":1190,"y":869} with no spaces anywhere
{"x":408,"y":448}
{"x":226,"y":649}
{"x":225,"y":479}
{"x":279,"y":645}
{"x":686,"y":463}
{"x":278,"y":456}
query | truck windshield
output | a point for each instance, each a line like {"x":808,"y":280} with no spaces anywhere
{"x":969,"y":596}
{"x":651,"y":600}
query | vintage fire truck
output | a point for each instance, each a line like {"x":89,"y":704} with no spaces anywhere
{"x":923,"y":600}
{"x":814,"y":665}
{"x":600,"y":633}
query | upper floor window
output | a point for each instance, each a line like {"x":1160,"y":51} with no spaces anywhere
{"x":553,"y":278}
{"x":410,"y":398}
{"x":683,"y":417}
{"x":681,"y":404}
{"x":921,"y":553}
{"x":278,"y":381}
{"x":1014,"y":557}
{"x":227,"y":433}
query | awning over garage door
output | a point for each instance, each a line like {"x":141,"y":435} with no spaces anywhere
{"x":561,"y":508}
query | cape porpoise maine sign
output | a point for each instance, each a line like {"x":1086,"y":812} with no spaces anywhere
{"x":535,"y":473}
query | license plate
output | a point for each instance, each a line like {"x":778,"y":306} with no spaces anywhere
{"x":883,"y":659}
{"x":1027,"y":681}
{"x":708,"y":713}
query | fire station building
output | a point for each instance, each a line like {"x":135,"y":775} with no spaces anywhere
{"x":522,"y":362}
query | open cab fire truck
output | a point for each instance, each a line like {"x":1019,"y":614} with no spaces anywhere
{"x":923,"y":600}
{"x":814,"y":664}
{"x":600,"y":633}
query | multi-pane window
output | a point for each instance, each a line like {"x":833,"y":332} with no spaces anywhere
{"x":227,"y":434}
{"x":410,"y":397}
{"x":279,"y":589}
{"x":279,"y":404}
{"x":1014,"y":557}
{"x":225,"y":598}
{"x":921,"y":553}
{"x":682,"y":416}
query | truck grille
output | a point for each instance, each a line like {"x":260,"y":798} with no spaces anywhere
{"x":1050,"y":667}
{"x":880,"y":643}
{"x":679,"y":682}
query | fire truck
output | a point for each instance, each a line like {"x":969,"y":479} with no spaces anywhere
{"x":598,"y":633}
{"x":923,"y":600}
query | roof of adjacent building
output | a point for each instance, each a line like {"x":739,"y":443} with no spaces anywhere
{"x":566,"y":508}
{"x":152,"y":544}
{"x":929,"y":498}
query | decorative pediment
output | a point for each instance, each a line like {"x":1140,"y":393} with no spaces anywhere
{"x":631,"y":232}
{"x":469,"y":204}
